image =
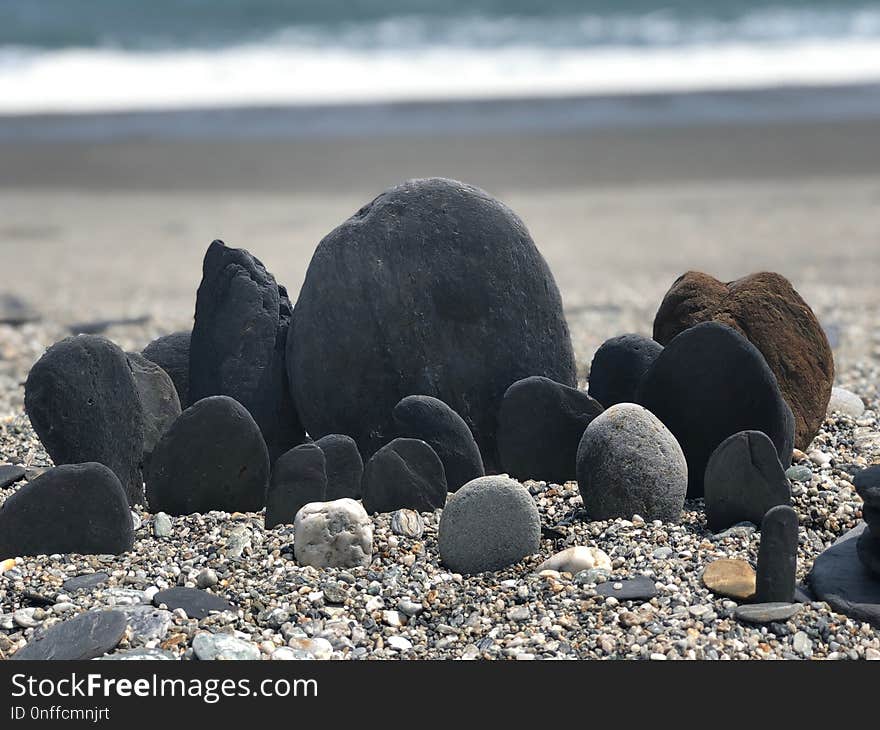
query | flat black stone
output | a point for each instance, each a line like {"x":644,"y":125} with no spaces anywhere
{"x":640,"y":588}
{"x":344,"y":466}
{"x":238,"y":343}
{"x":405,"y":474}
{"x":765,"y":613}
{"x":839,"y":578}
{"x":84,"y":582}
{"x":72,"y":508}
{"x":709,"y":383}
{"x":10,"y":474}
{"x":435,"y":423}
{"x":540,"y":425}
{"x":744,"y":479}
{"x":619,"y":366}
{"x":86,"y":636}
{"x":298,"y":477}
{"x":198,"y":604}
{"x":171,"y":353}
{"x":83,"y":403}
{"x":212,"y":458}
{"x":777,"y":556}
{"x":434,"y":288}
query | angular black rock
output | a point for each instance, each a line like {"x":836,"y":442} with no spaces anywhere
{"x":159,"y":400}
{"x":83,"y":402}
{"x":839,"y":578}
{"x":10,"y":474}
{"x":405,"y":474}
{"x":84,"y":582}
{"x":197,"y":604}
{"x":86,"y":636}
{"x":640,"y":588}
{"x":73,"y":508}
{"x":171,"y":353}
{"x":744,"y":479}
{"x":709,"y":383}
{"x":434,"y":288}
{"x":432,"y":421}
{"x":867,"y":484}
{"x":619,"y":366}
{"x":212,"y":458}
{"x":238,"y":343}
{"x":344,"y":466}
{"x":868,"y":549}
{"x":298,"y":477}
{"x":777,"y":556}
{"x":540,"y":425}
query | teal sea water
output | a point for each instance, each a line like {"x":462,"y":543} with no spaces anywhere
{"x":74,"y":56}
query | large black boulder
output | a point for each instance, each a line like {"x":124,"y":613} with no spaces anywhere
{"x":434,"y":288}
{"x":73,"y":508}
{"x":299,"y":476}
{"x":212,"y":458}
{"x":435,"y":423}
{"x":171,"y":353}
{"x":83,"y":402}
{"x":238,"y":343}
{"x":619,"y":366}
{"x":540,"y":425}
{"x":344,"y":466}
{"x":159,"y":400}
{"x":405,"y":474}
{"x":709,"y":383}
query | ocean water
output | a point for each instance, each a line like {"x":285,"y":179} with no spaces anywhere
{"x":72,"y":56}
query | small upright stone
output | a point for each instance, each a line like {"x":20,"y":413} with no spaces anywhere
{"x":777,"y":556}
{"x":83,"y":402}
{"x":72,"y":508}
{"x":618,"y":367}
{"x":298,"y":477}
{"x":435,"y":423}
{"x":171,"y":353}
{"x":212,"y":458}
{"x":238,"y":343}
{"x":337,"y":534}
{"x":540,"y":425}
{"x":744,"y":479}
{"x":405,"y":474}
{"x":345,"y":468}
{"x":159,"y":400}
{"x":488,"y":524}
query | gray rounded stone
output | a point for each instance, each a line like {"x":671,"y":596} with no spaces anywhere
{"x":86,"y":636}
{"x":159,"y":400}
{"x":490,"y":523}
{"x":629,"y":463}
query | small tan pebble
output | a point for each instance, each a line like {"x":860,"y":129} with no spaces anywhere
{"x":729,"y":577}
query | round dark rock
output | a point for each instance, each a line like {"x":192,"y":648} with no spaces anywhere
{"x":867,"y":484}
{"x":212,"y":458}
{"x":435,"y":423}
{"x":405,"y":474}
{"x":345,"y":468}
{"x":709,"y":383}
{"x":238,"y":343}
{"x":171,"y":353}
{"x":868,"y":549}
{"x":434,"y":288}
{"x":744,"y":479}
{"x":83,"y":403}
{"x":540,"y":425}
{"x":628,"y":463}
{"x":10,"y":474}
{"x":86,"y":636}
{"x":196,"y":603}
{"x":159,"y":400}
{"x":619,"y":366}
{"x":766,"y":309}
{"x":839,"y":578}
{"x":73,"y":508}
{"x":298,"y":477}
{"x":777,"y":556}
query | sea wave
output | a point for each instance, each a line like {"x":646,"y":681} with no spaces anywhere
{"x":96,"y":80}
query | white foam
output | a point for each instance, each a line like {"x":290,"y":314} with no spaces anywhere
{"x":106,"y":80}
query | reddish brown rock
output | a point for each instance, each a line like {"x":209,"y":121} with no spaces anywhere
{"x":766,"y":309}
